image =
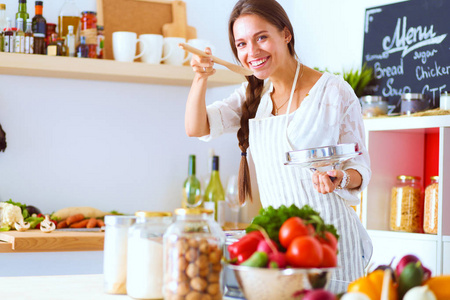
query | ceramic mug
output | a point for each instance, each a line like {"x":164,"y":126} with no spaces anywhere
{"x":124,"y":46}
{"x":154,"y":45}
{"x":175,"y":55}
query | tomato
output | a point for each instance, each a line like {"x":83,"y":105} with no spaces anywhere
{"x":304,"y":252}
{"x":329,"y":240}
{"x":292,"y":228}
{"x":329,"y":257}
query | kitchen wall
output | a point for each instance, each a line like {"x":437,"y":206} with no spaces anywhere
{"x":122,"y":146}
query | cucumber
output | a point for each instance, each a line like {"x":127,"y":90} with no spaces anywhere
{"x":410,"y":277}
{"x":258,"y":259}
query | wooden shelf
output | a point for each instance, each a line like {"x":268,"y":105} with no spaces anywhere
{"x":36,"y":241}
{"x":107,"y":70}
{"x":405,"y":123}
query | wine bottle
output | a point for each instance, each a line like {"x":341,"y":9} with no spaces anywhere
{"x":192,"y":196}
{"x":22,"y":14}
{"x":39,"y":24}
{"x":214,"y":197}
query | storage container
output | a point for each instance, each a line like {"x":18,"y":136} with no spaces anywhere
{"x":145,"y":254}
{"x":373,"y":106}
{"x":412,"y":103}
{"x":193,"y":249}
{"x":430,"y":219}
{"x":407,"y":205}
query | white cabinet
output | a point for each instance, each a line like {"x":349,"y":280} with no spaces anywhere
{"x":397,"y":147}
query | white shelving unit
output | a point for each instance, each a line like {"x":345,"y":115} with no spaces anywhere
{"x":397,"y":147}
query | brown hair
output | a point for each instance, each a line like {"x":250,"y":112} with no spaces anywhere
{"x":272,"y":12}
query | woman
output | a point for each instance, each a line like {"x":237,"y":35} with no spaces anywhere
{"x":286,"y":106}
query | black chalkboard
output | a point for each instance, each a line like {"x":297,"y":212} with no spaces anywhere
{"x":408,"y":46}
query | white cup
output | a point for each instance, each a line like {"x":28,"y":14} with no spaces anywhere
{"x":124,"y":46}
{"x":175,"y":55}
{"x":200,"y":44}
{"x":153,"y":44}
{"x":444,"y":102}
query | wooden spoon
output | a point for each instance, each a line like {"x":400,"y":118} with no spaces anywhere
{"x":232,"y":67}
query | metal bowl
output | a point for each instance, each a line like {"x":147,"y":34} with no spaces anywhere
{"x":263,"y":283}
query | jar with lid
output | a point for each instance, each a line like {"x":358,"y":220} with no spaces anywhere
{"x":193,"y":249}
{"x":51,"y":28}
{"x":430,"y":218}
{"x":89,"y":30}
{"x":407,"y":205}
{"x":115,"y":253}
{"x":412,"y":103}
{"x":145,"y":254}
{"x":373,"y":106}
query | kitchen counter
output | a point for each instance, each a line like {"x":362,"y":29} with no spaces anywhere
{"x":66,"y":287}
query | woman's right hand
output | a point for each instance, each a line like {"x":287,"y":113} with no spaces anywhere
{"x":203,"y":66}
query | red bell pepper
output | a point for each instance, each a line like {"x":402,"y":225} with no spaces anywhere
{"x":246,"y":246}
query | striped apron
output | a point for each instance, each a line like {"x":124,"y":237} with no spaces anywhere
{"x":285,"y":185}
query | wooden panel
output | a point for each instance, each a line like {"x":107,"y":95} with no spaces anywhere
{"x":37,"y":241}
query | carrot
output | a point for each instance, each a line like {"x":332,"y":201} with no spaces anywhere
{"x":91,"y":223}
{"x":62,"y":224}
{"x":100,"y":223}
{"x":80,"y":224}
{"x":74,"y":219}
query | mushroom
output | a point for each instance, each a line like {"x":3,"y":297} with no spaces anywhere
{"x":47,"y":226}
{"x":22,"y":225}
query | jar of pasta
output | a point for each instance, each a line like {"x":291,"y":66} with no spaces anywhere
{"x":430,"y":218}
{"x":407,"y":205}
{"x":193,"y":256}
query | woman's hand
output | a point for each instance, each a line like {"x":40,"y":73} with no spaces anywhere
{"x":322,"y":182}
{"x":203,"y":66}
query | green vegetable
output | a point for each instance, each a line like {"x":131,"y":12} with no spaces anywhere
{"x":271,"y":220}
{"x":410,"y":277}
{"x":258,"y":259}
{"x":34,"y":221}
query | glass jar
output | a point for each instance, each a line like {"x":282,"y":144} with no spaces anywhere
{"x":89,"y":30}
{"x":430,"y":218}
{"x":193,"y":249}
{"x":115,"y":253}
{"x":51,"y":28}
{"x":412,"y":103}
{"x":407,"y":205}
{"x":373,"y":106}
{"x":145,"y":255}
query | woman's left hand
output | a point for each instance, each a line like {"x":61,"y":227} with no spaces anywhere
{"x":322,"y":182}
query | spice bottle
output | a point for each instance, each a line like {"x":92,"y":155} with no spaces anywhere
{"x":145,"y":255}
{"x":89,"y":31}
{"x":115,"y":253}
{"x":407,"y":205}
{"x":430,"y":219}
{"x":193,"y":248}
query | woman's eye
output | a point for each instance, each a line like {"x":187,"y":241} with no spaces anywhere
{"x":240,"y":45}
{"x":262,"y":37}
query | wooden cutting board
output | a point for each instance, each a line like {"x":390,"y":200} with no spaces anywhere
{"x":34,"y":240}
{"x":179,"y":26}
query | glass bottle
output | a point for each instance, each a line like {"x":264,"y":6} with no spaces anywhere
{"x":61,"y":42}
{"x":52,"y":48}
{"x":89,"y":30}
{"x":407,"y":205}
{"x":145,"y":254}
{"x":29,"y":39}
{"x":19,"y":44}
{"x":39,"y":43}
{"x":193,"y":249}
{"x":70,"y":42}
{"x":115,"y":253}
{"x":23,"y":14}
{"x":82,"y":48}
{"x":39,"y":24}
{"x":214,"y":197}
{"x":69,"y":15}
{"x":51,"y":28}
{"x":192,"y":194}
{"x":8,"y":37}
{"x":3,"y":25}
{"x":430,"y":218}
{"x":100,"y":41}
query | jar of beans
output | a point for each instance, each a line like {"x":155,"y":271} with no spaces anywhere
{"x":407,"y":205}
{"x":430,"y":219}
{"x":193,"y":249}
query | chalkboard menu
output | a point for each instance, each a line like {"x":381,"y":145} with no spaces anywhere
{"x":408,"y":46}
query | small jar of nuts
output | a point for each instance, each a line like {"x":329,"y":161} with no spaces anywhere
{"x":430,"y":218}
{"x":407,"y":205}
{"x":193,"y":249}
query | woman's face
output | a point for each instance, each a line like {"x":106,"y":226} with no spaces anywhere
{"x":261,"y":47}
